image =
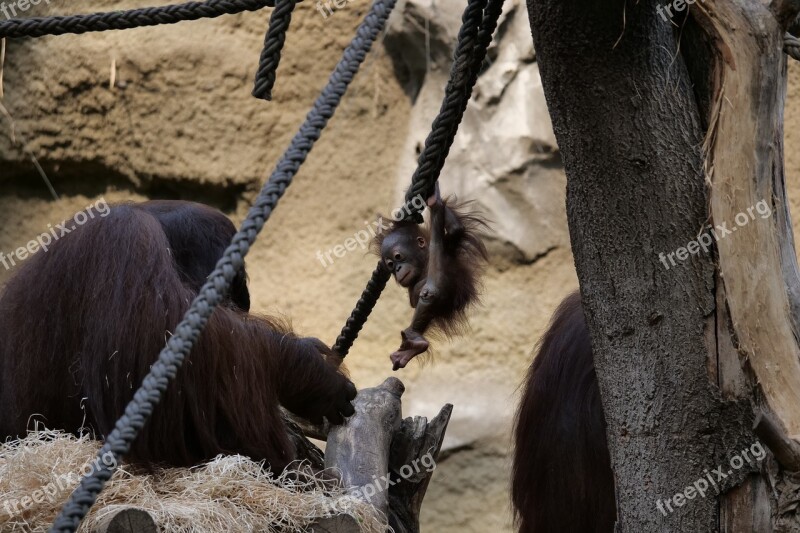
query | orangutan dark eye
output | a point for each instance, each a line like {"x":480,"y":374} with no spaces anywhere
{"x":398,"y":257}
{"x":390,"y":264}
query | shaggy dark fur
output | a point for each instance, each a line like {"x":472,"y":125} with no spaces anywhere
{"x":198,"y":236}
{"x":81,"y":324}
{"x":562,"y":478}
{"x":465,"y":256}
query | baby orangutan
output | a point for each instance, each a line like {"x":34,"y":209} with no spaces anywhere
{"x":440,"y":266}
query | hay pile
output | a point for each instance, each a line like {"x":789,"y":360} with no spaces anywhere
{"x":230,"y":493}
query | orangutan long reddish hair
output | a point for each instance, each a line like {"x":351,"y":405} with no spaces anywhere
{"x":562,"y":478}
{"x":81,"y":324}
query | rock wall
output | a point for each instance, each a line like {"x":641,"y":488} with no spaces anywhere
{"x":505,"y":156}
{"x":179,"y":122}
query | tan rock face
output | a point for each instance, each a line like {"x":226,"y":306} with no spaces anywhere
{"x":179,"y":122}
{"x":505,"y":156}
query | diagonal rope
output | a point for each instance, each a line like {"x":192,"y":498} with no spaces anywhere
{"x":364,"y":306}
{"x":426,"y":183}
{"x":479,"y":22}
{"x":456,"y":97}
{"x":273,"y":45}
{"x":169,"y":361}
{"x":791,"y":45}
{"x":124,"y":20}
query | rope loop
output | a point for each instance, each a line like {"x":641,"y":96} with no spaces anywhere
{"x":791,"y":45}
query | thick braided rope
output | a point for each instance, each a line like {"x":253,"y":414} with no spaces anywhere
{"x":474,"y":39}
{"x":362,"y":310}
{"x":273,"y":45}
{"x":137,"y":412}
{"x":123,"y":20}
{"x":485,"y":34}
{"x":438,"y":142}
{"x":791,"y":45}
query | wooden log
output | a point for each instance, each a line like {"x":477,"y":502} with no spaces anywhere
{"x":394,"y":476}
{"x":305,"y":450}
{"x":785,"y":449}
{"x":744,"y":165}
{"x":127,"y":521}
{"x":359,"y":449}
{"x":415,"y":450}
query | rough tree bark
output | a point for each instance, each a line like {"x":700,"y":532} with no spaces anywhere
{"x":665,"y":127}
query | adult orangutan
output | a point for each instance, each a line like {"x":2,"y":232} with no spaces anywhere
{"x":81,"y":323}
{"x":562,"y":479}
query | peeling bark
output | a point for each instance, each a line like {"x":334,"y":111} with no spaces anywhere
{"x":744,"y":161}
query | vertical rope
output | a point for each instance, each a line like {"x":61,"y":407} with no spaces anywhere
{"x":273,"y":45}
{"x":479,"y":24}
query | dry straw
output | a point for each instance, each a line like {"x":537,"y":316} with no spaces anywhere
{"x":231,"y":493}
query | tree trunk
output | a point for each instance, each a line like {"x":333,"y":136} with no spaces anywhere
{"x":665,"y":128}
